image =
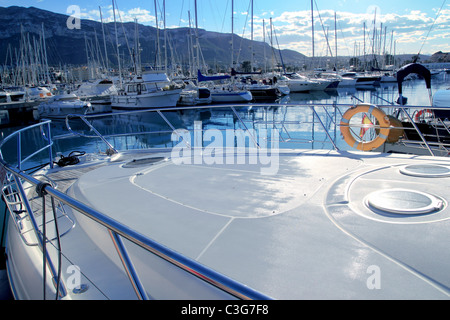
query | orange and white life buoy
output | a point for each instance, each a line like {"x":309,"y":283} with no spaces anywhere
{"x":419,"y":114}
{"x":380,"y":116}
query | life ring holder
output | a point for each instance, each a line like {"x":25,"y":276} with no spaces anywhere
{"x":382,"y":119}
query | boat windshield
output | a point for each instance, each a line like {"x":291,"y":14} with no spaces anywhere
{"x":295,"y":76}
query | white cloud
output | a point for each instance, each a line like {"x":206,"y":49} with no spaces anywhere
{"x":143,"y":16}
{"x":293,"y":28}
{"x":410,"y":30}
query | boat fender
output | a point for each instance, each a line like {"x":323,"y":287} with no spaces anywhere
{"x":381,"y":118}
{"x":396,"y":130}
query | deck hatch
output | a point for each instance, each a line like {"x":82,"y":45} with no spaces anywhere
{"x":404,"y":202}
{"x":426,"y":170}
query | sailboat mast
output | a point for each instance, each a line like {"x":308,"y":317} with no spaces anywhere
{"x":335,"y":42}
{"x":312,"y":27}
{"x":117,"y":45}
{"x":232,"y":32}
{"x":45,"y":54}
{"x":104,"y":41}
{"x":251,"y":60}
{"x":197,"y":55}
{"x":264,"y":47}
{"x":165,"y":37}
{"x":158,"y":57}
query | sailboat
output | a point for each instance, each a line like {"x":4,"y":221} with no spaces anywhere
{"x":193,"y":95}
{"x":150,"y":88}
{"x":225,"y":92}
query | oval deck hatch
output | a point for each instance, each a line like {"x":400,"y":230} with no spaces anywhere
{"x":426,"y":170}
{"x":404,"y":201}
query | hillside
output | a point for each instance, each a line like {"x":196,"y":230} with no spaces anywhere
{"x":68,"y":47}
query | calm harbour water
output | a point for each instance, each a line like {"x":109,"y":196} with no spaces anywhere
{"x":299,"y":120}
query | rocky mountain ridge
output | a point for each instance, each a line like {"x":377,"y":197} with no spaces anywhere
{"x":69,"y":46}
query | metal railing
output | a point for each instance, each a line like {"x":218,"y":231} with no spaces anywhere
{"x":19,"y":200}
{"x":14,"y":190}
{"x":406,"y":111}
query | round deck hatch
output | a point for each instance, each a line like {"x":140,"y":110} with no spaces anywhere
{"x":426,"y":170}
{"x":404,"y":201}
{"x":143,"y":162}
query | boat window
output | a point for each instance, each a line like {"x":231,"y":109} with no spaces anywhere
{"x":143,"y":87}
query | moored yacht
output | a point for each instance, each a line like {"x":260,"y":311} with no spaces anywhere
{"x":230,"y":93}
{"x":152,"y":89}
{"x":363,"y":80}
{"x":193,"y":95}
{"x":225,"y":90}
{"x":97,"y":92}
{"x":298,"y":83}
{"x":59,"y":106}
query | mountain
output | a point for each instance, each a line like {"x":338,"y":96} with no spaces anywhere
{"x":69,"y":46}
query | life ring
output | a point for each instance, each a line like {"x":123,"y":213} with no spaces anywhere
{"x":420,"y":113}
{"x":381,"y":118}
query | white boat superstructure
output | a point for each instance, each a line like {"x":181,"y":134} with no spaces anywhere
{"x":362,"y":79}
{"x":344,"y":82}
{"x":200,"y":221}
{"x":298,"y":83}
{"x":98,"y":91}
{"x":37,"y":93}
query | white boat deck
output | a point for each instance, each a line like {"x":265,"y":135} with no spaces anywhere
{"x":306,"y":232}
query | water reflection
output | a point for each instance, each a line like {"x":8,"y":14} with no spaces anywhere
{"x":298,"y":126}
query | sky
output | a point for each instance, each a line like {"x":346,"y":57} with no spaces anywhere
{"x":351,"y":26}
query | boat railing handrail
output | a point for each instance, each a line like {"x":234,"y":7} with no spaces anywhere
{"x":45,"y":125}
{"x":118,"y":231}
{"x":160,"y":111}
{"x":233,"y":107}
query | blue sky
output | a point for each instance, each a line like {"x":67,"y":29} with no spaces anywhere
{"x":406,"y":23}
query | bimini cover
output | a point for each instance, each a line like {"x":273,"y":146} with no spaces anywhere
{"x":441,"y":99}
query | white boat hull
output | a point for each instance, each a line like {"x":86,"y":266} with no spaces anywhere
{"x":61,"y":111}
{"x":304,"y":86}
{"x":346,"y":83}
{"x":224,"y":96}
